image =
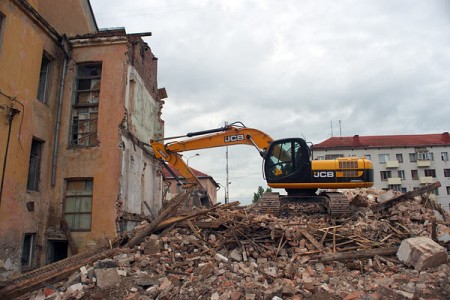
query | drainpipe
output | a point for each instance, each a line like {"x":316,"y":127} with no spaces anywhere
{"x":9,"y":117}
{"x":58,"y":119}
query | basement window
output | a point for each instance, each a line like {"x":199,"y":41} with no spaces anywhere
{"x":78,"y":204}
{"x":27,"y":250}
{"x":85,"y":107}
{"x":34,"y":169}
{"x":42,"y":94}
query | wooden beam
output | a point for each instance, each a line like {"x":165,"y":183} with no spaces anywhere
{"x":359,"y":254}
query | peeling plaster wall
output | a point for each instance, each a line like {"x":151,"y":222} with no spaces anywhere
{"x":22,"y":46}
{"x":102,"y":163}
{"x":140,"y":180}
{"x":143,"y":110}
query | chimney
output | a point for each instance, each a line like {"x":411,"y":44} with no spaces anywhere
{"x":356,"y":140}
{"x":446,"y":137}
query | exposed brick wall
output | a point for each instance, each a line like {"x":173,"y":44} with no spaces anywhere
{"x":145,"y":62}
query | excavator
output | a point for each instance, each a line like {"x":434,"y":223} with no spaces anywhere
{"x":287,"y":164}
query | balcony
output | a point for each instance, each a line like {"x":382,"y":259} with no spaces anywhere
{"x":423,"y":163}
{"x":392,"y":164}
{"x":425,"y":180}
{"x":394,"y":181}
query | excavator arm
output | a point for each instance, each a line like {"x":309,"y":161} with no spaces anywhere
{"x":233,"y":134}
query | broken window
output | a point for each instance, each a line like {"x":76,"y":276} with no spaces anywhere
{"x":414,"y":174}
{"x":85,"y":107}
{"x":78,"y":204}
{"x":430,"y":173}
{"x":44,"y":79}
{"x":34,"y":169}
{"x":27,"y":249}
{"x":385,"y":175}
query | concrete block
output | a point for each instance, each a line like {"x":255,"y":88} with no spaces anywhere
{"x":422,"y":253}
{"x":107,"y":278}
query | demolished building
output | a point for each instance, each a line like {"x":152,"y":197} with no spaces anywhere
{"x":77,"y":105}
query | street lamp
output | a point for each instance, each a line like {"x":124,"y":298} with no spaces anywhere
{"x":187,"y":159}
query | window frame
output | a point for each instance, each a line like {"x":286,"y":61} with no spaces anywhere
{"x":385,"y":157}
{"x":415,"y":174}
{"x":446,"y":173}
{"x":401,"y":174}
{"x":444,"y":156}
{"x":34,"y":166}
{"x":399,"y":157}
{"x":91,"y":106}
{"x":430,"y":173}
{"x":76,"y":194}
{"x":43,"y":95}
{"x":385,"y":175}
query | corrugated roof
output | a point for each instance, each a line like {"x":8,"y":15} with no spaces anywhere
{"x":385,"y":141}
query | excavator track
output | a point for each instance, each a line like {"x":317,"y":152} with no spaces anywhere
{"x":338,"y":204}
{"x":333,"y":203}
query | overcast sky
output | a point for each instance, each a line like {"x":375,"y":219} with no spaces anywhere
{"x":291,"y":68}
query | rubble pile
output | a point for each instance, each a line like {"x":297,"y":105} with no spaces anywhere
{"x":231,"y":252}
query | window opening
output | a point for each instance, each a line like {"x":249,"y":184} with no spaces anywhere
{"x":78,"y":204}
{"x":85,"y":107}
{"x":34,"y":169}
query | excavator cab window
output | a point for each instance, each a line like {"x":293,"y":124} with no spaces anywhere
{"x":285,"y":158}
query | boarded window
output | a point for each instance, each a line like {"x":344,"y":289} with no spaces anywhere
{"x":34,"y":169}
{"x":78,"y":204}
{"x":85,"y":107}
{"x":44,"y":79}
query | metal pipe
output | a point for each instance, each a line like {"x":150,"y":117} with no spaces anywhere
{"x":9,"y":116}
{"x":58,"y":121}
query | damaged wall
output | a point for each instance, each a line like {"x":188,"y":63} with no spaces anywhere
{"x":31,"y":60}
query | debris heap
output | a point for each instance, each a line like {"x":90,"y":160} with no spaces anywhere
{"x":380,"y":251}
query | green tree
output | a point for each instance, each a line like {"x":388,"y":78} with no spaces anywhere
{"x":259,"y":193}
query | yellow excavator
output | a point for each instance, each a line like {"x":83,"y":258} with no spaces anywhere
{"x":287,"y":165}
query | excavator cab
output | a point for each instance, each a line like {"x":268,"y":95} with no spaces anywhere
{"x":287,"y":161}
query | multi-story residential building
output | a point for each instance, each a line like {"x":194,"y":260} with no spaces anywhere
{"x":77,"y":105}
{"x":401,"y":162}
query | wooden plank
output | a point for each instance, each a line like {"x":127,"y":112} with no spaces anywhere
{"x":359,"y":254}
{"x":312,"y":240}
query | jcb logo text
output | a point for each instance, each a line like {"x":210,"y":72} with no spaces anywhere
{"x":323,"y":174}
{"x":234,"y":138}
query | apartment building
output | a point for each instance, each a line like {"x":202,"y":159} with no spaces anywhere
{"x":77,"y":107}
{"x":401,"y":162}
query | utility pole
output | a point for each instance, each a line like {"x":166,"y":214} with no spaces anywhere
{"x":227,"y":195}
